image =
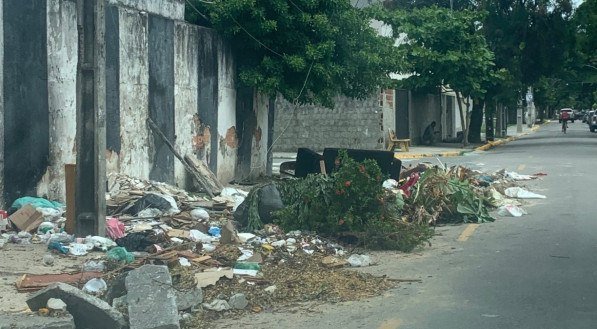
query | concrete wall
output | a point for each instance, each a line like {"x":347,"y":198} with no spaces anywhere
{"x":425,"y":108}
{"x":180,"y":75}
{"x":62,"y":95}
{"x":2,"y":103}
{"x":350,"y":124}
{"x":172,"y":9}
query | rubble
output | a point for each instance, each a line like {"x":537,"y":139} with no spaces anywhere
{"x":238,"y":301}
{"x":86,"y":310}
{"x":151,"y":298}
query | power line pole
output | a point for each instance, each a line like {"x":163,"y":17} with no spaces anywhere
{"x":90,"y":200}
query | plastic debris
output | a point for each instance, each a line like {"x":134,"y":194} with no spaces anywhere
{"x":200,"y":214}
{"x":217,"y":305}
{"x":245,"y":237}
{"x":78,"y":249}
{"x":58,"y":247}
{"x":100,"y":242}
{"x":235,"y":194}
{"x":359,"y":260}
{"x":390,"y":184}
{"x":95,"y":286}
{"x":516,"y":176}
{"x":114,"y":228}
{"x":45,"y":227}
{"x":215,"y":231}
{"x":520,"y":193}
{"x":184,"y":262}
{"x":94,"y":266}
{"x":511,"y":210}
{"x":120,"y":254}
{"x":56,"y":305}
{"x":36,"y":203}
{"x":198,"y":236}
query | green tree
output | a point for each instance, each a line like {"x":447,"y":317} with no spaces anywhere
{"x":444,"y":47}
{"x":307,"y":50}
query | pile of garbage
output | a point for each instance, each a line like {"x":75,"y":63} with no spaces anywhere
{"x":436,"y":194}
{"x":162,"y":242}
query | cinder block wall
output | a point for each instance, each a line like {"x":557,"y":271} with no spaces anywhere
{"x":351,"y":123}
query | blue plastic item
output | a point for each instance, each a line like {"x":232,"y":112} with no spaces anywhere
{"x":215,"y":231}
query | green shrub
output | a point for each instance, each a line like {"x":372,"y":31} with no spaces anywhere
{"x":353,"y":200}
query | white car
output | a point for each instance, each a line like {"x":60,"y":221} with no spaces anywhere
{"x":570,"y":115}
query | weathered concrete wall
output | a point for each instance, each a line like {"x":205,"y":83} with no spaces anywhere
{"x":172,"y":9}
{"x":186,"y":47}
{"x":228,"y":142}
{"x":161,"y":95}
{"x":253,"y":119}
{"x":387,"y":100}
{"x":62,"y":96}
{"x":25,"y":89}
{"x":351,"y":124}
{"x":207,"y":99}
{"x":425,"y":109}
{"x":134,"y":93}
{"x":1,"y":104}
{"x":157,"y":66}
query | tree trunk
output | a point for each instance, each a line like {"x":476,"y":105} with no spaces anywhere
{"x":464,"y":118}
{"x":474,"y":135}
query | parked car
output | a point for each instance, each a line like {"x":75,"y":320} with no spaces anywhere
{"x":570,"y":115}
{"x":593,"y":122}
{"x":578,"y":115}
{"x":588,"y":116}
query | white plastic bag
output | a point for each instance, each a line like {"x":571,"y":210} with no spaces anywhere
{"x":511,"y":210}
{"x":520,"y":193}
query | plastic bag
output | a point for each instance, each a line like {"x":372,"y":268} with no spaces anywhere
{"x":520,"y":193}
{"x":511,"y":210}
{"x":114,"y":228}
{"x":120,"y":254}
{"x":35,"y":202}
{"x":198,"y":236}
{"x":199,"y":214}
{"x":95,"y":286}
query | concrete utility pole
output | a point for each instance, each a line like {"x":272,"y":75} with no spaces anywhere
{"x":519,"y":117}
{"x":90,"y":204}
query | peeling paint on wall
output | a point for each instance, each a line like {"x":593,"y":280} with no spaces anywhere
{"x":227,"y":154}
{"x":134,"y":90}
{"x":62,"y":96}
{"x":1,"y":105}
{"x":186,"y":48}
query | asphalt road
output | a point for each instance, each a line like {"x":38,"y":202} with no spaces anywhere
{"x":538,"y":271}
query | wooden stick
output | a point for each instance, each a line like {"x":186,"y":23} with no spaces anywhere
{"x":201,"y":180}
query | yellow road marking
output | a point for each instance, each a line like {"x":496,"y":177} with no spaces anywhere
{"x":468,"y":231}
{"x":521,"y":167}
{"x":390,"y":324}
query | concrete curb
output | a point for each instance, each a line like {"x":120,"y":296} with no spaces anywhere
{"x":484,"y":147}
{"x":430,"y":155}
{"x":493,"y":144}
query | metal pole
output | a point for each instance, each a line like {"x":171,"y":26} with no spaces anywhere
{"x":90,"y":204}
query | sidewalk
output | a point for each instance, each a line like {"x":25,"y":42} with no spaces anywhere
{"x":439,"y":150}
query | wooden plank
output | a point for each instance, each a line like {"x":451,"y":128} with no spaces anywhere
{"x":70,"y":174}
{"x":197,"y":175}
{"x":209,"y":176}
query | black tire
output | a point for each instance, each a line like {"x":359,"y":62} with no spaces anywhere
{"x":572,"y":121}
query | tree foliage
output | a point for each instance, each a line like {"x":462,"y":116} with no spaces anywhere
{"x":443,"y":47}
{"x":308,"y":50}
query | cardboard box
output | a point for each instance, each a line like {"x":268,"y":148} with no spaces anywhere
{"x":27,"y":218}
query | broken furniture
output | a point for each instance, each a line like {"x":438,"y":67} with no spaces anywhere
{"x":404,"y":144}
{"x":310,"y":162}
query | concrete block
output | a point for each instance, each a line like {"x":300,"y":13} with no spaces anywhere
{"x":34,"y":321}
{"x":88,"y":311}
{"x":151,"y":298}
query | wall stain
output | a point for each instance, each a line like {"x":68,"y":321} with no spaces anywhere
{"x":258,"y":134}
